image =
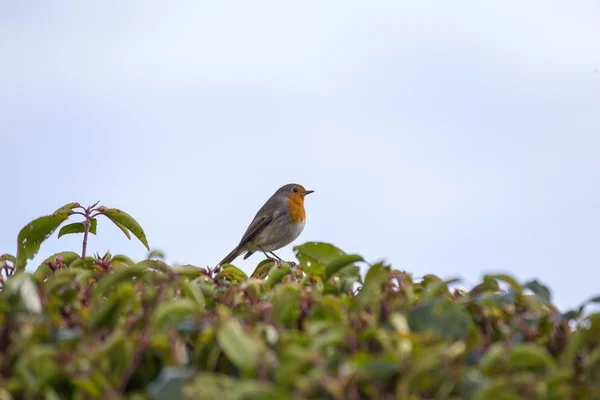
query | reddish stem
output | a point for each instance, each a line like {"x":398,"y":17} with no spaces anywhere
{"x":85,"y":236}
{"x":88,"y":221}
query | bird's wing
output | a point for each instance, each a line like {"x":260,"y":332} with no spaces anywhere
{"x":255,"y":228}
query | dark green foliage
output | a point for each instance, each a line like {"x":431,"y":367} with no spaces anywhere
{"x":33,"y":234}
{"x":107,"y":327}
{"x":125,"y":222}
{"x":78,"y":227}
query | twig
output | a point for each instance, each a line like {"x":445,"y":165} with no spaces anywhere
{"x":88,"y":221}
{"x":85,"y":236}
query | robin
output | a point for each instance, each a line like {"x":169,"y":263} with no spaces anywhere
{"x":278,"y":223}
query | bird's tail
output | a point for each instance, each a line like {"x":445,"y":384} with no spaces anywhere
{"x":230,"y":257}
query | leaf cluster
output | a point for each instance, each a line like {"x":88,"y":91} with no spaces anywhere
{"x":108,"y":327}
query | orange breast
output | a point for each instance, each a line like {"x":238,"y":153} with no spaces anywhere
{"x":296,"y":207}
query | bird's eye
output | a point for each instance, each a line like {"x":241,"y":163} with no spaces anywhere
{"x":295,"y":190}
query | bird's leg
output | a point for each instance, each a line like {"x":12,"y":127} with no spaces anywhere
{"x":276,"y":256}
{"x":276,"y":260}
{"x":266,"y":255}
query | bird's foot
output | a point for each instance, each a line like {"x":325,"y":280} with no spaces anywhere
{"x":277,"y":261}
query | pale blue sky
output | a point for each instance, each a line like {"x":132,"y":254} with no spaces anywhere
{"x":454,"y":138}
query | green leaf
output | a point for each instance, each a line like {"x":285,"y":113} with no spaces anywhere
{"x":248,"y":389}
{"x":323,"y":252}
{"x":105,"y":316}
{"x":168,"y":385}
{"x":193,"y":292}
{"x":5,"y":394}
{"x":189,"y":271}
{"x":207,"y":290}
{"x":489,"y":284}
{"x":50,"y":394}
{"x":206,"y":385}
{"x":88,"y":386}
{"x":43,"y":271}
{"x":373,"y":366}
{"x":594,"y":300}
{"x":78,"y":227}
{"x":441,"y":318}
{"x":123,"y":259}
{"x":375,"y":278}
{"x":585,"y":336}
{"x":34,"y":233}
{"x":83,"y":263}
{"x":7,"y":257}
{"x":156,"y":253}
{"x":435,"y":287}
{"x":329,"y":338}
{"x":277,"y":274}
{"x":285,"y":303}
{"x":123,"y":229}
{"x":495,"y":358}
{"x":541,"y":292}
{"x":232,"y":273}
{"x":525,"y":356}
{"x":294,"y":362}
{"x":121,"y":275}
{"x":570,"y":315}
{"x":337,"y":264}
{"x":508,"y":279}
{"x":23,"y":288}
{"x":241,"y":348}
{"x":170,"y":312}
{"x":315,"y":256}
{"x":157,"y":265}
{"x":262,"y":269}
{"x":125,"y":222}
{"x":498,"y":389}
{"x":61,"y":280}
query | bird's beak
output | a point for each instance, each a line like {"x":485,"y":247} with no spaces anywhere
{"x":308,"y":192}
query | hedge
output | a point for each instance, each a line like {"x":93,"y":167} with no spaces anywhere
{"x":107,"y":327}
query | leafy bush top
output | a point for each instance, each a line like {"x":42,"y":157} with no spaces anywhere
{"x":82,"y":327}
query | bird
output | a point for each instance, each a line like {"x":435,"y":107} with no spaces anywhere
{"x":278,"y":223}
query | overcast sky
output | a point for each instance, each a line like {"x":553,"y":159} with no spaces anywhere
{"x":453,"y":138}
